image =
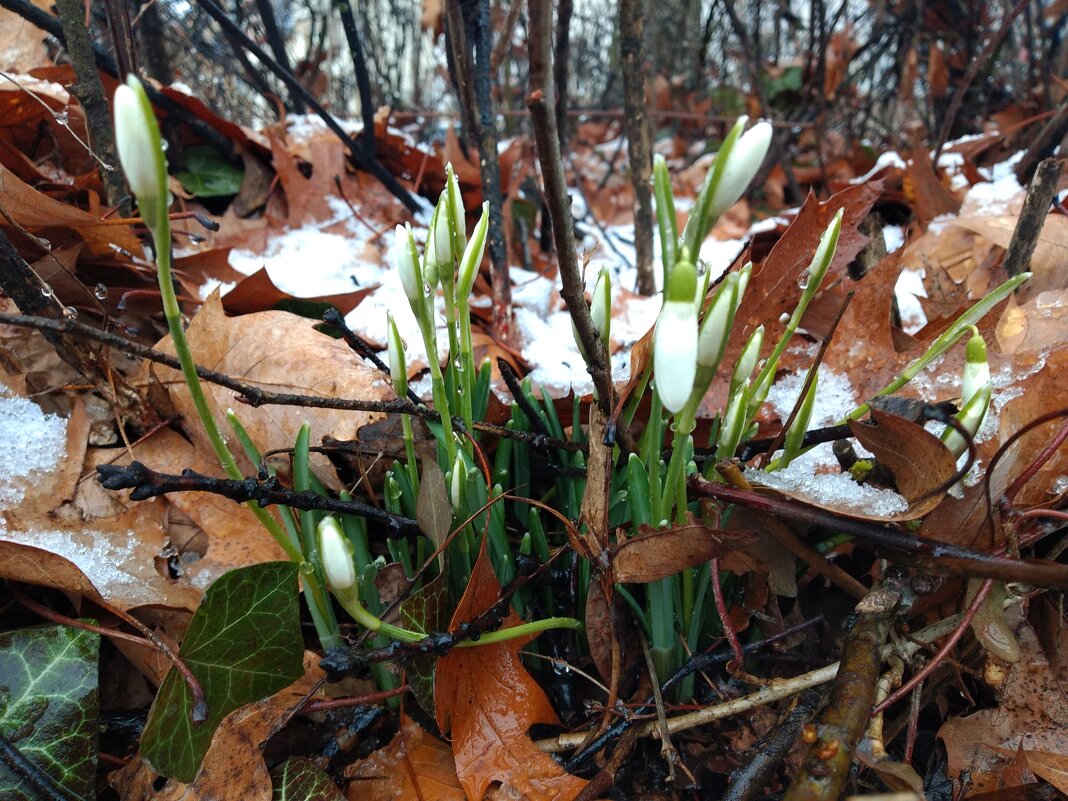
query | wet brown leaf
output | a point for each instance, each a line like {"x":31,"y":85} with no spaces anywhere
{"x":489,"y":701}
{"x":415,"y":766}
{"x":918,"y":460}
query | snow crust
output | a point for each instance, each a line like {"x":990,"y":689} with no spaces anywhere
{"x":32,"y":444}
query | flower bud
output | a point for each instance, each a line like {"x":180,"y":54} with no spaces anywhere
{"x":335,"y":555}
{"x":976,"y":367}
{"x":734,"y":421}
{"x":140,"y":149}
{"x":824,"y":255}
{"x":971,"y":416}
{"x":473,"y":253}
{"x":747,"y":359}
{"x":406,"y":263}
{"x":675,"y":339}
{"x":458,"y":483}
{"x":439,"y":238}
{"x":398,"y":369}
{"x":601,"y":305}
{"x":456,"y":214}
{"x":743,"y":161}
{"x":716,"y":327}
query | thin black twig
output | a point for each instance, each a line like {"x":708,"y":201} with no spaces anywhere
{"x":147,"y":483}
{"x":255,"y":396}
{"x":333,"y":317}
{"x":897,"y":541}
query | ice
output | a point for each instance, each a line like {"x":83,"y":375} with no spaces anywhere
{"x":93,"y":553}
{"x":816,"y":474}
{"x":803,"y":477}
{"x":32,"y":444}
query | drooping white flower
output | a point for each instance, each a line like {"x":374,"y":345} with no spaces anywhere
{"x":458,"y":482}
{"x":976,"y":367}
{"x":335,"y":555}
{"x":675,"y":339}
{"x":140,"y":149}
{"x":601,"y":305}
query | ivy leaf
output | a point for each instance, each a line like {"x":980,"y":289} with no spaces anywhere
{"x":298,"y":779}
{"x":48,"y":707}
{"x":243,"y":644}
{"x":209,"y":174}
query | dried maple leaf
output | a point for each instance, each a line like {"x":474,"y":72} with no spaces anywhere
{"x":489,"y":701}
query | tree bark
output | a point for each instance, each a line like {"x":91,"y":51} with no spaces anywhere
{"x":639,"y":146}
{"x":90,"y":93}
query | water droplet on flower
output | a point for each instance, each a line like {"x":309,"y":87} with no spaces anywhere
{"x":428,"y":290}
{"x":458,"y":363}
{"x":802,"y":280}
{"x":100,"y":292}
{"x":163,"y":145}
{"x":459,"y":389}
{"x":70,"y":313}
{"x":46,"y":291}
{"x":404,"y":343}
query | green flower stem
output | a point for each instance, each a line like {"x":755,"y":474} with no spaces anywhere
{"x":437,"y":386}
{"x":675,"y":485}
{"x":466,"y":354}
{"x":161,"y":236}
{"x":351,"y":601}
{"x":960,"y":327}
{"x":409,"y":451}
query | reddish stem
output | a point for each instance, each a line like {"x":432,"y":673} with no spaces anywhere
{"x":721,"y":606}
{"x":361,"y":700}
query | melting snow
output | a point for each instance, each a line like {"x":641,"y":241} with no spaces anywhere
{"x":816,"y":474}
{"x":32,"y":444}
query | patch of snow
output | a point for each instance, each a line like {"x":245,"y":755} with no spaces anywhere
{"x":808,"y":476}
{"x":909,"y":289}
{"x":994,"y":198}
{"x":32,"y":444}
{"x":893,"y":237}
{"x":93,"y":553}
{"x":816,"y":474}
{"x":835,"y":396}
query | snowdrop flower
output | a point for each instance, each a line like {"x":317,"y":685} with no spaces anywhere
{"x":140,"y":147}
{"x":824,"y":254}
{"x":455,"y":207}
{"x":407,"y":264}
{"x":675,"y":339}
{"x":398,"y":369}
{"x":473,"y":253}
{"x":335,"y":555}
{"x":975,"y":393}
{"x":743,"y":161}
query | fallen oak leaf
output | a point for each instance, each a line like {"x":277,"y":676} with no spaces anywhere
{"x":415,"y":766}
{"x":489,"y":700}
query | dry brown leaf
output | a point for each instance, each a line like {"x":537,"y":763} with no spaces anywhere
{"x":22,"y":42}
{"x":415,"y":766}
{"x":257,"y":292}
{"x":1051,"y":250}
{"x":1032,"y":714}
{"x":37,"y":212}
{"x":234,"y":537}
{"x":113,"y":558}
{"x":280,"y":352}
{"x":658,"y":553}
{"x":233,"y":768}
{"x":1051,"y":767}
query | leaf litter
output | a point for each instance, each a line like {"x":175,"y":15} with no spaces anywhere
{"x":325,"y":251}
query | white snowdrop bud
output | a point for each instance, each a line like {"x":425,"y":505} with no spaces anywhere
{"x":675,"y":339}
{"x":335,"y":554}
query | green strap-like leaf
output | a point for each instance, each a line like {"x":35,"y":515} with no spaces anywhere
{"x":243,"y":644}
{"x":298,"y":779}
{"x":48,"y":707}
